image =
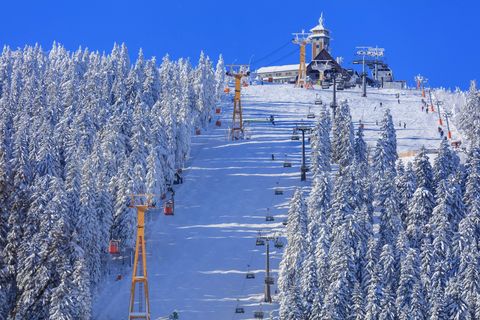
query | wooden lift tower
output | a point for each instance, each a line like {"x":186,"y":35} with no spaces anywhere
{"x":302,"y":39}
{"x":139,"y":299}
{"x":237,"y":71}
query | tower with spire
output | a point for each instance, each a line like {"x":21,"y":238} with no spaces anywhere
{"x":320,"y":38}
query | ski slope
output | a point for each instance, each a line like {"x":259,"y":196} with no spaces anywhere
{"x":198,"y":258}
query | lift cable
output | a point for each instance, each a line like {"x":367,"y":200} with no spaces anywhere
{"x":271,"y":53}
{"x":284,"y":57}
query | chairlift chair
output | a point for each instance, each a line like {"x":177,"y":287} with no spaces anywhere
{"x":250,"y":275}
{"x":113,"y":247}
{"x":286,"y":163}
{"x":260,"y":242}
{"x":269,"y":218}
{"x":269,"y":280}
{"x":168,"y":208}
{"x":258,"y":314}
{"x":285,"y":222}
{"x":318,"y":100}
{"x":278,"y":244}
{"x":310,"y":114}
{"x":295,"y":137}
{"x":239,"y":310}
{"x":278,"y":191}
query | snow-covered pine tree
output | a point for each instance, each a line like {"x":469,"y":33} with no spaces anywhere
{"x":410,"y":296}
{"x":219,"y":78}
{"x":290,"y":267}
{"x":342,"y":143}
{"x":469,"y":118}
{"x":445,"y":163}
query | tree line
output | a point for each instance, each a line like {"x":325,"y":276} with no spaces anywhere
{"x":378,"y":239}
{"x":79,"y":132}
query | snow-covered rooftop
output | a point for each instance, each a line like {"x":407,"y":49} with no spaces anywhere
{"x":288,"y":67}
{"x":320,"y":27}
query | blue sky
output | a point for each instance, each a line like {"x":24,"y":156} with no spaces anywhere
{"x":437,"y":38}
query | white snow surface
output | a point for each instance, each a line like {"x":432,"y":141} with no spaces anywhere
{"x":197,"y":259}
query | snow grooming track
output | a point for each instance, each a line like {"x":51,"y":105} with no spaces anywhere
{"x":198,"y":258}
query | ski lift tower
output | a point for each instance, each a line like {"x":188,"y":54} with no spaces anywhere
{"x":139,"y":299}
{"x":303,"y":169}
{"x":322,"y":66}
{"x":421,"y":80}
{"x":374,"y":53}
{"x":237,"y":71}
{"x":268,"y":279}
{"x":302,"y":39}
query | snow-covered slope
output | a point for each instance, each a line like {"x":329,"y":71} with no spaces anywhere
{"x":198,"y":258}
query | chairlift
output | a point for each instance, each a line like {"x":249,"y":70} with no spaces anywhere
{"x":168,"y":208}
{"x":286,"y":163}
{"x":258,"y":314}
{"x":269,"y":280}
{"x":113,"y":247}
{"x":269,"y":218}
{"x":239,"y":310}
{"x":278,"y":244}
{"x":318,"y":100}
{"x":295,"y":137}
{"x":285,"y":222}
{"x":310,"y":114}
{"x":278,"y":191}
{"x":325,"y":84}
{"x":260,"y":242}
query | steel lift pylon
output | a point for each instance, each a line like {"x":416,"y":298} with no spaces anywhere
{"x":238,"y":72}
{"x":139,"y":298}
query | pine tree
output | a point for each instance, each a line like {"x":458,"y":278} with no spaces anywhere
{"x":445,"y":163}
{"x":409,"y":301}
{"x":469,"y":117}
{"x":293,"y":257}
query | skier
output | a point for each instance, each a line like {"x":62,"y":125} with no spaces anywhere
{"x":398,"y":101}
{"x":426,"y":110}
{"x":400,"y":124}
{"x":423,"y":107}
{"x":273,"y":157}
{"x":376,"y":122}
{"x":404,"y":125}
{"x":441,"y":133}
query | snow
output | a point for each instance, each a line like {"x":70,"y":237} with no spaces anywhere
{"x":198,"y":258}
{"x":288,"y":67}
